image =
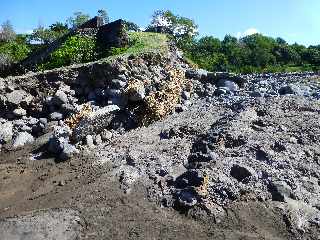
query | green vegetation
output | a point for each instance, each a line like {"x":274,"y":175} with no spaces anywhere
{"x":82,"y":49}
{"x":45,"y":36}
{"x":254,"y":53}
{"x":141,"y":42}
{"x":77,"y":49}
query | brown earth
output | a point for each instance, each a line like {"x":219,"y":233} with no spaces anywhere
{"x":107,"y":213}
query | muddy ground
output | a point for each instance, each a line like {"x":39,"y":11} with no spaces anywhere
{"x":105,"y":211}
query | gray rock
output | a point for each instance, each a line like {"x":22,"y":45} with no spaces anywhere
{"x":26,"y":128}
{"x":199,"y":74}
{"x":59,"y":137}
{"x":56,"y":116}
{"x":68,"y":151}
{"x":106,"y":135}
{"x":137,"y":95}
{"x":89,"y":141}
{"x":32,"y":121}
{"x":299,"y":90}
{"x":221,"y":91}
{"x":43,"y":121}
{"x":280,"y":191}
{"x":22,"y":139}
{"x":185,"y":95}
{"x":19,"y":112}
{"x":122,"y":78}
{"x":6,"y":132}
{"x":187,"y":198}
{"x":114,"y":93}
{"x":59,"y":98}
{"x":59,"y":143}
{"x":255,"y":94}
{"x":95,"y":123}
{"x":228,"y":84}
{"x":18,"y":96}
{"x":241,"y":172}
{"x":118,"y":84}
{"x":98,"y":139}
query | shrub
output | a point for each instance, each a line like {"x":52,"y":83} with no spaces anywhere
{"x":77,"y":49}
{"x":17,"y":51}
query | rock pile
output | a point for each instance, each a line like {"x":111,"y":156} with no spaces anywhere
{"x":118,"y":93}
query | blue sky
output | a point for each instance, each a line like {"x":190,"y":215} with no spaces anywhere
{"x":294,"y":20}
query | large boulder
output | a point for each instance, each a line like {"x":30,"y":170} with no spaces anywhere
{"x":16,"y":97}
{"x":59,"y":144}
{"x":113,"y":35}
{"x":199,"y":74}
{"x":6,"y":132}
{"x":227,"y":84}
{"x":95,"y":123}
{"x":216,"y":76}
{"x":22,"y":139}
{"x":298,"y":90}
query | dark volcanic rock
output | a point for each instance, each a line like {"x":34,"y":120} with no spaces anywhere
{"x":112,"y":35}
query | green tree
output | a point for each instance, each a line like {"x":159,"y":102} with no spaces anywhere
{"x":181,"y":28}
{"x":286,"y":54}
{"x":7,"y":33}
{"x":77,"y":19}
{"x":131,"y":26}
{"x":104,"y":15}
{"x":261,"y":48}
{"x":59,"y":27}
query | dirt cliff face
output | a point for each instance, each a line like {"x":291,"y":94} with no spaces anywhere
{"x":161,"y":152}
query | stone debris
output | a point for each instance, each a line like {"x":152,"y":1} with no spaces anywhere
{"x":200,"y":141}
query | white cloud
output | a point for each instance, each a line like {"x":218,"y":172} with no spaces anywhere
{"x":248,"y":32}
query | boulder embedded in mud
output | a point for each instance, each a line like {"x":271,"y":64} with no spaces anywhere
{"x":22,"y":139}
{"x":94,"y":123}
{"x":280,"y":191}
{"x":68,"y":151}
{"x":59,"y":143}
{"x":241,"y":172}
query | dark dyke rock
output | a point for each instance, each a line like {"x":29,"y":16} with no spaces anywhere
{"x":241,"y":172}
{"x":112,"y":35}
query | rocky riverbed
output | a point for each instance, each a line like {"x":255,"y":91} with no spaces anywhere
{"x":148,"y":148}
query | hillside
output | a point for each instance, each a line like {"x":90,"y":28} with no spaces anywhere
{"x":140,"y":145}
